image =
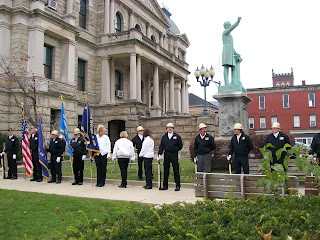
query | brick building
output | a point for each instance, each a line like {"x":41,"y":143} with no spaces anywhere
{"x":296,"y":108}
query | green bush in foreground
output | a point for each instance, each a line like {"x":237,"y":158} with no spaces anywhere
{"x":232,"y":219}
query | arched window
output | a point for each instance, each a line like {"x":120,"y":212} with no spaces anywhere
{"x":278,"y":85}
{"x":282,"y":84}
{"x":288,"y":84}
{"x":118,"y":22}
{"x":118,"y":78}
{"x":138,"y":27}
{"x":153,"y":39}
{"x":82,"y":13}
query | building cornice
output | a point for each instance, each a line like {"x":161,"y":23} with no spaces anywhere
{"x":285,"y":89}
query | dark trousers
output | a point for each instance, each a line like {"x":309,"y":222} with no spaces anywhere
{"x":242,"y":161}
{"x":78,"y":166}
{"x":123,"y":164}
{"x":148,"y":171}
{"x":12,"y":166}
{"x":55,"y":169}
{"x":37,"y":168}
{"x":101,"y":164}
{"x":278,"y":161}
{"x":171,"y":157}
{"x":140,"y":162}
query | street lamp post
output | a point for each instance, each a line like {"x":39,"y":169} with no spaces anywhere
{"x":205,"y":82}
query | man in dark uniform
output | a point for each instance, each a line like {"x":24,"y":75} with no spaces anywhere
{"x":315,"y":147}
{"x":137,"y":144}
{"x":12,"y":149}
{"x":37,"y":169}
{"x":240,"y":145}
{"x":171,"y":144}
{"x":278,"y":140}
{"x":56,"y":148}
{"x":78,"y":145}
{"x":203,"y":145}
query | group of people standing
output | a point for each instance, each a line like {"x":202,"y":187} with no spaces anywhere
{"x":143,"y":143}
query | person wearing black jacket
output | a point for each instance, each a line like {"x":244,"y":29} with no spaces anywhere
{"x":278,"y":140}
{"x":137,"y":144}
{"x":240,"y":145}
{"x":37,"y":168}
{"x":171,"y":144}
{"x":315,"y":146}
{"x":79,"y":151}
{"x":12,"y":149}
{"x":203,"y":145}
{"x":56,"y":148}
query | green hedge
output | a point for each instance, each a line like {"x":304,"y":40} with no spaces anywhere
{"x":232,"y":219}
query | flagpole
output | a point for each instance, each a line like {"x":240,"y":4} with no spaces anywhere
{"x":61,"y":98}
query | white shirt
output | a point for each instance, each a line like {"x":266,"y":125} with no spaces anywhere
{"x":276,"y":134}
{"x":123,"y":148}
{"x":104,"y":144}
{"x":170,"y":135}
{"x":10,"y":136}
{"x":147,"y":149}
{"x":238,"y":137}
{"x":140,"y":136}
{"x":202,"y":137}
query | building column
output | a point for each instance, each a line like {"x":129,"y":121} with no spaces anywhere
{"x":106,"y":25}
{"x":131,"y":19}
{"x":133,"y":77}
{"x":155,"y":108}
{"x":35,"y":50}
{"x":165,"y":93}
{"x":68,"y":59}
{"x":171,"y":110}
{"x":177,"y":96}
{"x":161,"y":40}
{"x":111,"y":22}
{"x":68,"y":17}
{"x":187,"y":97}
{"x":112,"y":81}
{"x":176,"y":52}
{"x":148,"y":30}
{"x":105,"y":81}
{"x":183,"y":96}
{"x":138,"y":78}
{"x":5,"y":40}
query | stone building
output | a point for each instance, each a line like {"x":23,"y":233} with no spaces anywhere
{"x":128,"y":56}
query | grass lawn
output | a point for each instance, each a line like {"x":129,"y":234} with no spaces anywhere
{"x":42,"y":216}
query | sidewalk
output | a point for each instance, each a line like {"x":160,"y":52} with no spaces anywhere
{"x":109,"y":191}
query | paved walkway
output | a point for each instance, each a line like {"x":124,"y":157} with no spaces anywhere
{"x":110,"y":191}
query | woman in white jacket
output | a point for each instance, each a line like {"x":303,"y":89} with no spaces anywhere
{"x":147,"y":152}
{"x":123,"y":151}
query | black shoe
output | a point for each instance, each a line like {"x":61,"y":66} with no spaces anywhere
{"x":13,"y":178}
{"x":74,"y":183}
{"x":122,"y":186}
{"x":97,"y":185}
{"x":51,"y":181}
{"x":79,"y":183}
{"x":147,"y":187}
{"x":163,"y":188}
{"x":58,"y":182}
{"x":7,"y":177}
{"x":177,"y":188}
{"x":33,"y":179}
{"x":39,"y":180}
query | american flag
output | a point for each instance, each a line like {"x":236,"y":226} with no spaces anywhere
{"x":26,"y":155}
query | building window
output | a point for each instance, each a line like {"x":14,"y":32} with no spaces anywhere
{"x":285,"y":98}
{"x":312,"y":98}
{"x":118,"y":22}
{"x":278,"y":84}
{"x":81,"y":83}
{"x":153,"y":39}
{"x":306,"y":140}
{"x":296,"y":121}
{"x":79,"y":121}
{"x":251,"y":123}
{"x":82,"y":14}
{"x":313,"y":122}
{"x":118,"y":80}
{"x":282,"y":84}
{"x":288,"y":84}
{"x":262,"y":104}
{"x":262,"y":122}
{"x":138,"y":27}
{"x":47,"y":61}
{"x":274,"y":119}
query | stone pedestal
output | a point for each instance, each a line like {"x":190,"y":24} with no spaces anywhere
{"x":233,"y":108}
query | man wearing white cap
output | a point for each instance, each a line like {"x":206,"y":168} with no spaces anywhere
{"x":171,"y":144}
{"x":137,"y":143}
{"x":315,"y":147}
{"x":278,"y":140}
{"x":203,"y":145}
{"x":56,"y":148}
{"x":240,"y":145}
{"x":37,"y":169}
{"x":79,"y":151}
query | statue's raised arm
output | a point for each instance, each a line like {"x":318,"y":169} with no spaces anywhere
{"x":231,"y":27}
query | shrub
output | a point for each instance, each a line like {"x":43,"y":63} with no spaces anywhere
{"x":233,"y":219}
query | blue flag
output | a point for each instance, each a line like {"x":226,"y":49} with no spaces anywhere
{"x":42,"y":150}
{"x":64,"y":132}
{"x":87,"y":131}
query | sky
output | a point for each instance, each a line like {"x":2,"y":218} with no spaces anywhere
{"x":272,"y":34}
